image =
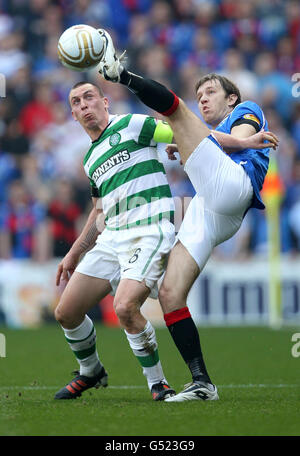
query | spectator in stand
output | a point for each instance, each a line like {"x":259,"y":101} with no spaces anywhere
{"x":244,"y":21}
{"x":222,"y":25}
{"x":269,"y":8}
{"x":188,"y":77}
{"x":248,"y":45}
{"x":156,"y":63}
{"x":34,"y":27}
{"x":205,"y":14}
{"x":139,"y":38}
{"x":292,"y":11}
{"x":120,"y":100}
{"x":184,"y":10}
{"x":293,"y":196}
{"x":206,"y":17}
{"x":51,"y":145}
{"x":14,"y":141}
{"x":49,"y":62}
{"x":161,"y":18}
{"x":42,"y":20}
{"x":286,"y":150}
{"x":81,"y":192}
{"x":121,"y":13}
{"x":204,"y":54}
{"x":23,"y":231}
{"x":19,"y":88}
{"x":235,"y":70}
{"x":286,"y":56}
{"x":52,"y":21}
{"x":37,"y":188}
{"x":272,"y":27}
{"x":295,"y":130}
{"x":64,"y":214}
{"x":88,"y":12}
{"x":12,"y":56}
{"x":37,"y":113}
{"x":9,"y":172}
{"x":273,"y":86}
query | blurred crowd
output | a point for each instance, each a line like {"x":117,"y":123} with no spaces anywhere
{"x":44,"y":193}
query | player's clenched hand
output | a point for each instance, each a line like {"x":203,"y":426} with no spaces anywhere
{"x":257,"y":141}
{"x":66,"y":267}
{"x":171,"y":149}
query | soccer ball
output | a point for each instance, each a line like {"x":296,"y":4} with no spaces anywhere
{"x":80,"y":47}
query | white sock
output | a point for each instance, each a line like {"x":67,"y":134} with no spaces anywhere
{"x":82,"y":341}
{"x":144,"y":347}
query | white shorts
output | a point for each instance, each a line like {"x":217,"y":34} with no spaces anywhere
{"x":223,"y":194}
{"x":139,"y":253}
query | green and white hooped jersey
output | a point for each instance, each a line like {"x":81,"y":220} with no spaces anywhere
{"x":124,"y":166}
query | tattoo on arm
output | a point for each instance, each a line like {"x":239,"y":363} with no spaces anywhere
{"x":90,"y":237}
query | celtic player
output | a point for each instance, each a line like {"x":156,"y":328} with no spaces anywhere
{"x":133,"y":209}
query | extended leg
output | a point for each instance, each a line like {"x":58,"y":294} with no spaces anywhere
{"x":188,"y":129}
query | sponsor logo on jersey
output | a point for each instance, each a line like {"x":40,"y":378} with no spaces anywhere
{"x":117,"y":159}
{"x":115,"y":139}
{"x":252,"y":117}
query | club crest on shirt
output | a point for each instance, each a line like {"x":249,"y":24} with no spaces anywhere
{"x":115,"y":139}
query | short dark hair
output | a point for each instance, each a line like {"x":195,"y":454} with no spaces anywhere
{"x":228,"y":86}
{"x":78,"y":84}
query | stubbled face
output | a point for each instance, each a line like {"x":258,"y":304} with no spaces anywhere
{"x":89,"y":109}
{"x":213,"y":102}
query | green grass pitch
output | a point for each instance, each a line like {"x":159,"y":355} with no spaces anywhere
{"x":256,"y":375}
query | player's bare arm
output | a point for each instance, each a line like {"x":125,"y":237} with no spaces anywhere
{"x":83,"y":243}
{"x":245,"y":137}
{"x":231,"y":143}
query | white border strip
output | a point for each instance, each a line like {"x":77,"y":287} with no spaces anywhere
{"x":125,"y":387}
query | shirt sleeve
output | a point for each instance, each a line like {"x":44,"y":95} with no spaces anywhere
{"x":154,"y":131}
{"x":247,"y":113}
{"x":142,"y":129}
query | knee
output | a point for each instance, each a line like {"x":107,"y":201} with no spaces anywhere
{"x":59,"y":315}
{"x":63,"y":317}
{"x":126,"y":312}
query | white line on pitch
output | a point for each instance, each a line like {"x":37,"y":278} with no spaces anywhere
{"x":250,"y":385}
